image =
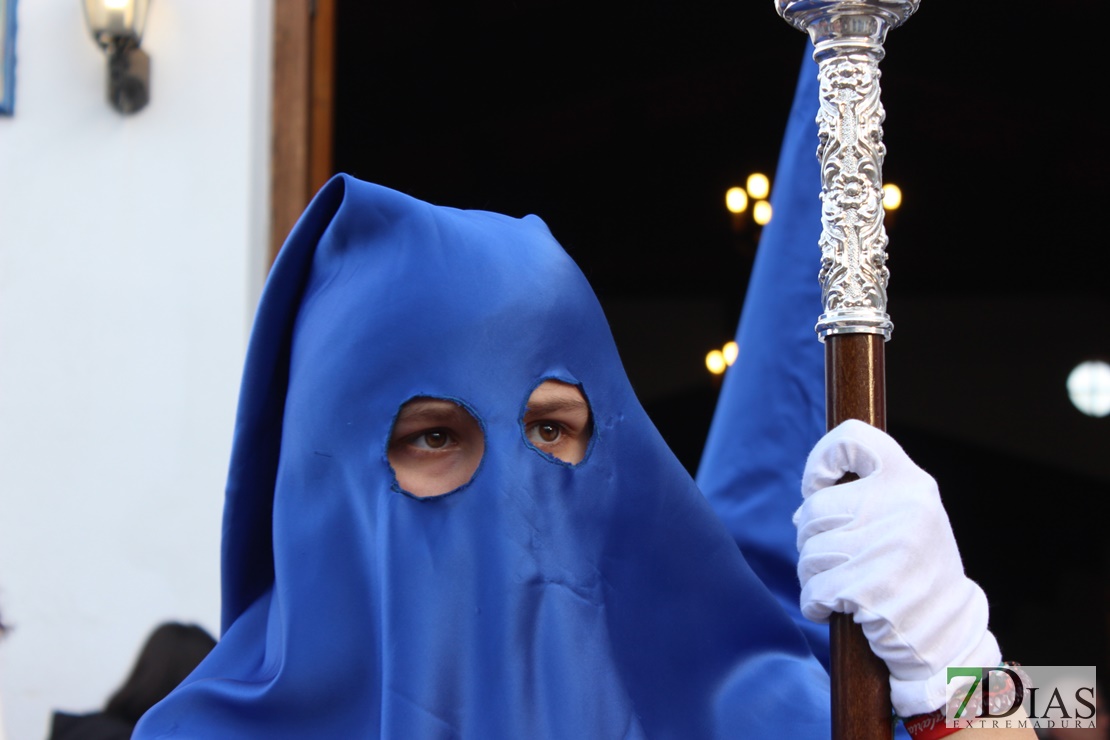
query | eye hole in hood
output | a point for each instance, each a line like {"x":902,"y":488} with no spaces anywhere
{"x":557,"y":421}
{"x":435,"y":446}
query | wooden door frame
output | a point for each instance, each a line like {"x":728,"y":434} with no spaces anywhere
{"x":303,"y":109}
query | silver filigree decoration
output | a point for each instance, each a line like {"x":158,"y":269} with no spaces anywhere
{"x":848,"y":37}
{"x":853,"y":242}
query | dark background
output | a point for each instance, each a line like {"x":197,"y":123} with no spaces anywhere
{"x":622,"y":124}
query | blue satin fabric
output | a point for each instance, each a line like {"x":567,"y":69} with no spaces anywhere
{"x":541,"y":600}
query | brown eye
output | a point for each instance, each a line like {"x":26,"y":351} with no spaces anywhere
{"x":548,"y":432}
{"x":435,"y":439}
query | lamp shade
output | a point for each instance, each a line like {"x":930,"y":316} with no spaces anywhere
{"x":116,"y":22}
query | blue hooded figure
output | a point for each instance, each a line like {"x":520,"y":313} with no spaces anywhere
{"x":419,"y":543}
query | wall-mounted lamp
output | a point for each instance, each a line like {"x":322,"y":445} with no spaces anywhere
{"x":117,"y":27}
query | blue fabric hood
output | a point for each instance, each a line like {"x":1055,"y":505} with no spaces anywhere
{"x":540,"y":600}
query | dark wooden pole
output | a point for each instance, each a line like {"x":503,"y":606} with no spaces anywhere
{"x":855,"y":388}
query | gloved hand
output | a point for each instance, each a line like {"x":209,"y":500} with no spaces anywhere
{"x":881,"y":548}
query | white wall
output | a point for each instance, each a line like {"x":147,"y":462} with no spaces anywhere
{"x":131,"y":251}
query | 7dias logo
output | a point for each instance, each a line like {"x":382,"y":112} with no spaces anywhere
{"x":1011,"y":696}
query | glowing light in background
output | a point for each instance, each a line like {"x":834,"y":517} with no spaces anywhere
{"x":759,"y":187}
{"x":892,"y":197}
{"x":730,"y":351}
{"x":761,"y":212}
{"x":715,"y":361}
{"x":736,"y":200}
{"x":1089,"y":387}
{"x":718,"y":360}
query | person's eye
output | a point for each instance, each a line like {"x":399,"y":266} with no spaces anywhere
{"x":432,"y":439}
{"x":545,"y":432}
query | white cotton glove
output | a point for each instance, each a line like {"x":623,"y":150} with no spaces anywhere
{"x":881,"y":548}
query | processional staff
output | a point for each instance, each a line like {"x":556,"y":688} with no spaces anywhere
{"x":848,"y":37}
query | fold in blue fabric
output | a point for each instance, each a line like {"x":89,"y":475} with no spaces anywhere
{"x":771,"y":410}
{"x":539,"y":600}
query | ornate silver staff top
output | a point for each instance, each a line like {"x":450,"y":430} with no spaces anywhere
{"x":848,"y":36}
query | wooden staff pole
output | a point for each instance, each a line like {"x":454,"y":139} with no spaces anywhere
{"x":855,"y":388}
{"x":848,"y":37}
